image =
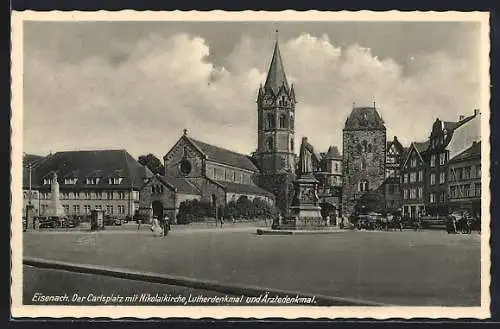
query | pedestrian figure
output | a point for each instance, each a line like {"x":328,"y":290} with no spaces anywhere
{"x":156,"y":227}
{"x":139,"y":221}
{"x":221,"y":221}
{"x":166,"y":225}
{"x":233,"y":219}
{"x":327,"y":222}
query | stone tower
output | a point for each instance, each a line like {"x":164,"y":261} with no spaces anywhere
{"x":364,"y":147}
{"x":275,"y":131}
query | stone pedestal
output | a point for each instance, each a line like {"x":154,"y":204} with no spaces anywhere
{"x":305,"y":210}
{"x":29,"y":218}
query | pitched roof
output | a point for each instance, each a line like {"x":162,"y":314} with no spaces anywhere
{"x":421,"y":146}
{"x":276,"y":77}
{"x":93,"y":163}
{"x":224,"y":156}
{"x":333,"y":153}
{"x":364,"y":118}
{"x":473,"y":152}
{"x":244,"y":188}
{"x":32,"y":159}
{"x":180,"y":184}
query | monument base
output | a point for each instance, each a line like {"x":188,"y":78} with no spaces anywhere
{"x":306,"y":217}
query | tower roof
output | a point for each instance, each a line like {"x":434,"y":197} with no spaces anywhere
{"x":276,"y":75}
{"x":364,"y":118}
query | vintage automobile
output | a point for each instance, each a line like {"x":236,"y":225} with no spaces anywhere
{"x":54,"y":222}
{"x":110,"y":221}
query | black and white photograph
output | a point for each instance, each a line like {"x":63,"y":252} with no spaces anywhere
{"x":250,"y":164}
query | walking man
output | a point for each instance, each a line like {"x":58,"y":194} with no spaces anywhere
{"x":165,"y":225}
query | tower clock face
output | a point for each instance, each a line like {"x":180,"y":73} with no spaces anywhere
{"x":185,"y":167}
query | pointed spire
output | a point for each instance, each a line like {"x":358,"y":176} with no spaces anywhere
{"x":276,"y":77}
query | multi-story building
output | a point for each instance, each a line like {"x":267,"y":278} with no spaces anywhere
{"x":464,"y":183}
{"x":392,"y":186}
{"x":107,"y":180}
{"x":437,"y":156}
{"x":329,"y":176}
{"x":364,"y":149}
{"x":31,"y":197}
{"x":413,"y":180}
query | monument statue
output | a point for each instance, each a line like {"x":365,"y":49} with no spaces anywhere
{"x":55,"y":207}
{"x":306,"y":157}
{"x":305,"y":209}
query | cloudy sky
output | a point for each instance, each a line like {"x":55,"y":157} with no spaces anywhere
{"x":136,"y":85}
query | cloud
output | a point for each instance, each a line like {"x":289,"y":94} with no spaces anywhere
{"x":142,"y":95}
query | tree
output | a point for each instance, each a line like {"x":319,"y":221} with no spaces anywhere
{"x":153,"y":163}
{"x":371,"y":201}
{"x":243,"y":204}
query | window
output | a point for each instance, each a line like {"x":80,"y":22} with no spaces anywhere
{"x":413,"y":177}
{"x":433,"y":179}
{"x":477,"y":189}
{"x":413,"y":193}
{"x":115,"y":180}
{"x":442,"y":177}
{"x":365,"y":146}
{"x":336,"y":167}
{"x":92,"y":180}
{"x":362,"y":164}
{"x":291,"y":144}
{"x":363,"y":186}
{"x":467,"y":174}
{"x":109,"y":209}
{"x":98,"y":207}
{"x":76,"y":209}
{"x":405,"y":194}
{"x":270,"y":123}
{"x":478,"y":171}
{"x":86,"y":209}
{"x":413,"y":162}
{"x":433,"y":160}
{"x":121,"y":209}
{"x":283,"y":121}
{"x":47,"y":181}
{"x":472,"y":172}
{"x":110,"y":195}
{"x":420,"y":193}
{"x":270,"y":143}
{"x":70,"y":181}
{"x":420,"y":175}
{"x":88,"y":195}
{"x":442,"y":197}
{"x":405,"y":178}
{"x":442,"y":159}
{"x":453,"y":191}
{"x":98,"y":195}
{"x":432,"y":198}
{"x":66,"y":208}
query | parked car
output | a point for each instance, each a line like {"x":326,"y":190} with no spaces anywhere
{"x":53,"y":222}
{"x":110,"y":221}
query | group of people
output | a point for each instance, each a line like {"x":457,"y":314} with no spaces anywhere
{"x":160,"y":227}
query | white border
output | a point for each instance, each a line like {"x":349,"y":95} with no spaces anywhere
{"x":144,"y":312}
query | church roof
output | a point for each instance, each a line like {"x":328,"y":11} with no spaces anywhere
{"x":83,"y":164}
{"x":179,"y":183}
{"x":473,"y":152}
{"x":224,"y":156}
{"x":333,"y":153}
{"x":276,"y":77}
{"x":244,"y":188}
{"x":364,"y":118}
{"x":421,"y":146}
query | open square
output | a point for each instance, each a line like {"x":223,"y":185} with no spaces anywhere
{"x":425,"y":268}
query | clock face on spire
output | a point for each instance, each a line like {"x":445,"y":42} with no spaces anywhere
{"x":268,"y":100}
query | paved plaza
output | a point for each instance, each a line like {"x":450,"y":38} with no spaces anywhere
{"x":410,"y":268}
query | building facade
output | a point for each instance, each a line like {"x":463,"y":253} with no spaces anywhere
{"x":364,"y":153}
{"x":329,"y":176}
{"x":275,"y":154}
{"x":392,"y":186}
{"x":464,"y":184}
{"x":414,"y":181}
{"x":107,"y":180}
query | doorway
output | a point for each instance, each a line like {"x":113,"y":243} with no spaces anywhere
{"x":157,"y":209}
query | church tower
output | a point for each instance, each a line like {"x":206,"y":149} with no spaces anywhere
{"x":276,"y":120}
{"x":275,"y":154}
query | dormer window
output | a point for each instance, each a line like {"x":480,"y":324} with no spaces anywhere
{"x":47,"y":181}
{"x":115,"y":180}
{"x":70,"y":181}
{"x":92,"y":180}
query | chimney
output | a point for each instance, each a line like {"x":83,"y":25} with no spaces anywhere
{"x":476,"y":111}
{"x":461,"y":117}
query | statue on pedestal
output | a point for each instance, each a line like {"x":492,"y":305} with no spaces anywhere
{"x":306,"y":158}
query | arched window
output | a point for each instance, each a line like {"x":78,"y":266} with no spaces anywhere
{"x":270,"y":144}
{"x":271,"y":123}
{"x":362,"y":165}
{"x":363,"y":186}
{"x":358,"y":148}
{"x":283,"y":121}
{"x":291,"y":144}
{"x":369,"y":147}
{"x":365,"y":146}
